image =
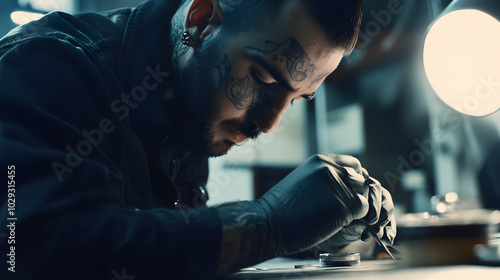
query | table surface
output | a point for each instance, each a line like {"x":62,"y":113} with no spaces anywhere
{"x":284,"y":268}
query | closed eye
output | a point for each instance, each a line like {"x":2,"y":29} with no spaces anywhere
{"x":259,"y":78}
{"x":307,"y":97}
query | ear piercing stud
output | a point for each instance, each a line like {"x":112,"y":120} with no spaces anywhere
{"x":188,"y":39}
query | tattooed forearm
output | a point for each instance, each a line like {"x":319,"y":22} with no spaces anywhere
{"x":245,"y":236}
{"x":244,"y":95}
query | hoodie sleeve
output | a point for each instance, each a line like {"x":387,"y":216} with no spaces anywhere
{"x":68,"y":148}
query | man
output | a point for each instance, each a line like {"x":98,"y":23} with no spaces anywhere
{"x":108,"y":121}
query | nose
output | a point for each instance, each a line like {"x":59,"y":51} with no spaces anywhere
{"x":268,"y":118}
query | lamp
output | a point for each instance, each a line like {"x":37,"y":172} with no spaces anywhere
{"x":461,"y":56}
{"x":23,"y":17}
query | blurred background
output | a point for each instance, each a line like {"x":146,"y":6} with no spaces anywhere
{"x":378,"y":106}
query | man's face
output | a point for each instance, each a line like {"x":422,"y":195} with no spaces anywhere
{"x":241,"y":86}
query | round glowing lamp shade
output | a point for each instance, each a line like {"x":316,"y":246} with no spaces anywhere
{"x":462,"y":61}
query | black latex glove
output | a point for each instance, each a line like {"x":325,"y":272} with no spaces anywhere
{"x":322,"y":197}
{"x":380,"y":216}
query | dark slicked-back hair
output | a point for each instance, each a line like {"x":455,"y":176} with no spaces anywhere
{"x":341,"y":19}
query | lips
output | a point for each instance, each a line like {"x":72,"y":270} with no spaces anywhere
{"x":236,"y":137}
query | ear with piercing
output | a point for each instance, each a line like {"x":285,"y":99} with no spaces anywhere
{"x":189,"y":40}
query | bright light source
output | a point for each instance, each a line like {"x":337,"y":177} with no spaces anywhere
{"x":462,"y":61}
{"x":68,"y":6}
{"x":441,"y":207}
{"x":451,"y":197}
{"x":21,"y":17}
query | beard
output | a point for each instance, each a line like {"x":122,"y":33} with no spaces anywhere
{"x":200,"y":93}
{"x":213,"y":148}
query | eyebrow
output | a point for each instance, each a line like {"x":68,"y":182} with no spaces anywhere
{"x":258,"y":58}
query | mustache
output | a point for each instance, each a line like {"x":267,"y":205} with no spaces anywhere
{"x":247,"y":129}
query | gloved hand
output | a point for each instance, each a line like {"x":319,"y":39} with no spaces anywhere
{"x":323,"y":197}
{"x":380,"y":217}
